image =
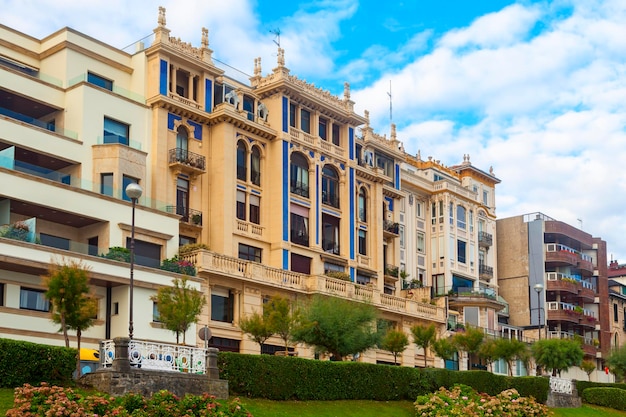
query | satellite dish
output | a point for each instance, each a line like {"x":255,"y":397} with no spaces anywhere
{"x":204,"y":333}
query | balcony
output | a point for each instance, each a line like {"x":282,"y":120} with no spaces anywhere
{"x":560,"y":311}
{"x":474,"y":297}
{"x":189,"y":216}
{"x":586,"y":265}
{"x":208,"y":262}
{"x":562,"y":283}
{"x":391,"y":271}
{"x":391,"y":229}
{"x":560,"y":257}
{"x":187,"y":162}
{"x":485,"y":272}
{"x":485,"y":239}
{"x":589,"y":344}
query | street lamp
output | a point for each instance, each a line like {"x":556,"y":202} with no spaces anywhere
{"x":538,"y":288}
{"x":133,"y":191}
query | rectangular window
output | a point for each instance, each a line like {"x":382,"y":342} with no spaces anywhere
{"x":115,"y":132}
{"x":222,"y":302}
{"x":461,"y":250}
{"x":362,"y":242}
{"x":1,"y":294}
{"x":99,"y":81}
{"x":300,"y":226}
{"x":125,"y":181}
{"x":336,"y":134}
{"x":146,"y":253}
{"x":301,"y":264}
{"x":116,"y":309}
{"x":156,"y":317}
{"x":249,"y":253}
{"x":439,"y":287}
{"x":293,"y":111}
{"x":331,"y":267}
{"x":31,"y":299}
{"x":323,"y":128}
{"x":615,"y":313}
{"x":401,"y":233}
{"x":486,"y":198}
{"x":418,"y":209}
{"x":305,"y":121}
{"x":106,"y":184}
{"x":421,"y":242}
{"x":385,"y":163}
{"x":330,"y":234}
{"x":255,"y":209}
{"x":241,"y":205}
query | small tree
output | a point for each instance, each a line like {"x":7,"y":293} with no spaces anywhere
{"x":509,"y":350}
{"x":424,"y":336}
{"x":394,"y":341}
{"x":444,"y":348}
{"x":71,"y":304}
{"x":588,"y":367}
{"x":283,"y":318}
{"x":487,"y":353}
{"x":616,"y":361}
{"x":338,"y":327}
{"x":179,"y":306}
{"x":258,"y":327}
{"x":557,"y":354}
{"x":469,"y":341}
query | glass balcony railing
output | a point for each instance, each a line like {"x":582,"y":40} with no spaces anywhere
{"x":115,"y":89}
{"x":38,"y":123}
{"x":108,"y":139}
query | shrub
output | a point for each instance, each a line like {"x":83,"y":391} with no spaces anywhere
{"x":583,"y":385}
{"x":179,"y":266}
{"x":118,"y":253}
{"x":606,"y":397}
{"x":344,"y":276}
{"x":462,"y":400}
{"x":49,"y":400}
{"x":190,"y":247}
{"x":26,"y":362}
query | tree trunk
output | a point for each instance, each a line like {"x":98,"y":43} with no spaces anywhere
{"x":78,"y":334}
{"x":425,"y":347}
{"x":65,"y":335}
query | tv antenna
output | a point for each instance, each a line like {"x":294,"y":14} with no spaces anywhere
{"x":276,"y":33}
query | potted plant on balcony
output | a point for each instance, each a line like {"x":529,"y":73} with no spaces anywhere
{"x":196,"y":219}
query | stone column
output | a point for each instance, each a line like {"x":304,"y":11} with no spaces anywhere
{"x":121,"y":363}
{"x":211,"y":363}
{"x":191,"y":77}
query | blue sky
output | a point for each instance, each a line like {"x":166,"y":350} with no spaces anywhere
{"x":534,"y":89}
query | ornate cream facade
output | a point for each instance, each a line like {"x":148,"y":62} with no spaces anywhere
{"x":285,"y":184}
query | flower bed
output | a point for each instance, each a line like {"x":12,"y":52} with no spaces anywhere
{"x":462,"y":400}
{"x":48,"y":400}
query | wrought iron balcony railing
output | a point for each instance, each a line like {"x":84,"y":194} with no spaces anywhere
{"x":190,"y":159}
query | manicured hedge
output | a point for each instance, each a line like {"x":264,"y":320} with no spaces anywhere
{"x":289,"y":378}
{"x":25,"y":362}
{"x":606,"y":397}
{"x":583,"y":385}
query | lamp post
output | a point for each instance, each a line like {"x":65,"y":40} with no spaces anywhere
{"x":538,"y":288}
{"x":133,"y":191}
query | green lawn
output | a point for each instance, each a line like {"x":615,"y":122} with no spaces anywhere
{"x":265,"y":408}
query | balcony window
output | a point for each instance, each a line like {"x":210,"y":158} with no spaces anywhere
{"x":31,"y":299}
{"x":299,"y":179}
{"x":222,"y":305}
{"x":115,"y":132}
{"x":305,"y":120}
{"x":255,"y":166}
{"x":362,"y":242}
{"x":460,"y":217}
{"x":248,"y":107}
{"x":362,"y":207}
{"x":323,"y":128}
{"x":182,"y":140}
{"x":299,"y":225}
{"x":255,"y":209}
{"x":336,"y":134}
{"x":99,"y":81}
{"x":330,"y":234}
{"x":330,"y":186}
{"x":54,"y":241}
{"x":241,"y":161}
{"x":241,"y":205}
{"x":421,"y":242}
{"x":182,"y":198}
{"x":301,"y":264}
{"x":156,"y":316}
{"x":249,"y":253}
{"x":385,"y":163}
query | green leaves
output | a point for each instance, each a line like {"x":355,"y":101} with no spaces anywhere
{"x":557,"y":354}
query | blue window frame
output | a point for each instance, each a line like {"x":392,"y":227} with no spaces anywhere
{"x":125,"y":181}
{"x":99,"y":81}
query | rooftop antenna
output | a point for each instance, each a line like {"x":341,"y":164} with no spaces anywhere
{"x":580,"y":221}
{"x":390,"y":104}
{"x":276,"y":33}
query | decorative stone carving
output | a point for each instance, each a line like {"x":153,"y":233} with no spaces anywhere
{"x":161,"y":19}
{"x":262,"y":111}
{"x":232,"y":98}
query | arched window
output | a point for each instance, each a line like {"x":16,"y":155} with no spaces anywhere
{"x":330,"y":186}
{"x":241,"y":161}
{"x":299,"y":170}
{"x":460,"y":217}
{"x":362,"y":204}
{"x":255,"y":166}
{"x":182,"y":139}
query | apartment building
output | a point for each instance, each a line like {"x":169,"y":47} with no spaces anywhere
{"x":292,"y":192}
{"x":555,"y":278}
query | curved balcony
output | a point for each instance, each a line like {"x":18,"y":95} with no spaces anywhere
{"x":562,"y":283}
{"x":471,"y":297}
{"x":585,"y":265}
{"x":561,"y":258}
